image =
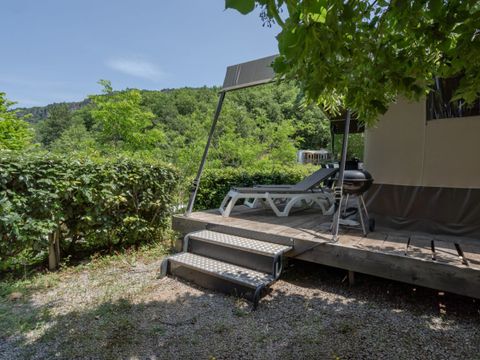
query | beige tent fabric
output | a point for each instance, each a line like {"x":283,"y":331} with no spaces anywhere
{"x":405,"y":149}
{"x":393,"y":149}
{"x":452,"y":153}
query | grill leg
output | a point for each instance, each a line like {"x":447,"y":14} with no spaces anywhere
{"x":360,"y":213}
{"x":346,"y":205}
{"x":364,"y":206}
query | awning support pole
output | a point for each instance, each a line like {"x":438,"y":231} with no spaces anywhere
{"x":339,"y":186}
{"x":196,"y":182}
{"x":332,"y":136}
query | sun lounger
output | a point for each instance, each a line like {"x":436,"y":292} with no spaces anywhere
{"x":287,"y":196}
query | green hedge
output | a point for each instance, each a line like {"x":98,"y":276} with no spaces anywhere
{"x":95,"y":203}
{"x":216,"y":183}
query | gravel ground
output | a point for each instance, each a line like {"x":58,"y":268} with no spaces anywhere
{"x":121,"y":310}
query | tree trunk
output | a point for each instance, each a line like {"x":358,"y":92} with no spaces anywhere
{"x":53,"y":250}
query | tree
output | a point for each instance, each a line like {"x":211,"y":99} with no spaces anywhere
{"x":312,"y":128}
{"x":363,"y":54}
{"x":121,"y":122}
{"x":59,"y":119}
{"x":15,"y":132}
{"x":75,"y":139}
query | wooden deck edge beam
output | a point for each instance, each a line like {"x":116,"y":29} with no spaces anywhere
{"x":435,"y":275}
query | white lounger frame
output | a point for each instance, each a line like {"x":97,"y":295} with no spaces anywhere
{"x":323,"y":199}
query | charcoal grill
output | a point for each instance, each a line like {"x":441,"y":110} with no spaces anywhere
{"x":355,"y":184}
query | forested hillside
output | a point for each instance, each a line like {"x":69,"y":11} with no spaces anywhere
{"x":258,"y":126}
{"x":38,"y":113}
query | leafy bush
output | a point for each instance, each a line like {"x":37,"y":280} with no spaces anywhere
{"x":94,"y":203}
{"x":15,"y":132}
{"x":216,"y":183}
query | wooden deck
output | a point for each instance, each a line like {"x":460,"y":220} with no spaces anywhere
{"x":384,"y":253}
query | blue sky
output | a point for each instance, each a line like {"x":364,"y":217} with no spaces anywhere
{"x":56,"y":50}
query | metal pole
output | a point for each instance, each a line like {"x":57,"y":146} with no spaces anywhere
{"x":196,"y":182}
{"x":332,"y":136}
{"x":339,"y":186}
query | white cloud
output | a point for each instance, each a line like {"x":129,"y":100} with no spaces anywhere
{"x":136,"y":67}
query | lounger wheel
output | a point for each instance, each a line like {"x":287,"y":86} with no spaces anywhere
{"x":371,"y":225}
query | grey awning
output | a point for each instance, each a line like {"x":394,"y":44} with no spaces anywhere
{"x":249,"y":73}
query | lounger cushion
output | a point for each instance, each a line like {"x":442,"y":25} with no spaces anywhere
{"x":305,"y":185}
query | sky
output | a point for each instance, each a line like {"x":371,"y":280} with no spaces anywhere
{"x":57,"y":50}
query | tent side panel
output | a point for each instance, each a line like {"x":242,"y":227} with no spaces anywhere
{"x":433,"y":210}
{"x":393,"y":148}
{"x":452,"y":153}
{"x":427,"y":175}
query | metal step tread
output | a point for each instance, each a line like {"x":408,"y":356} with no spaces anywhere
{"x":234,"y":273}
{"x":240,"y":243}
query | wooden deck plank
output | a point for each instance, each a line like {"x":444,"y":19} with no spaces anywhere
{"x":446,"y":252}
{"x":397,"y":244}
{"x":470,"y":247}
{"x":316,"y":227}
{"x":420,"y":246}
{"x":251,"y":219}
{"x":381,"y":241}
{"x":309,"y":229}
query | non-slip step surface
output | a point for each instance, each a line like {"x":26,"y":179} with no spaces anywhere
{"x":234,"y":273}
{"x":240,"y":243}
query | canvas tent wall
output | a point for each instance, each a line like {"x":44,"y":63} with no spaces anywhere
{"x":427,"y":173}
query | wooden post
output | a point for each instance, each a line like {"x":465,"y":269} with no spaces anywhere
{"x":351,"y":278}
{"x":53,"y":250}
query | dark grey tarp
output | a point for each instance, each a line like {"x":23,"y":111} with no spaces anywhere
{"x":434,"y":210}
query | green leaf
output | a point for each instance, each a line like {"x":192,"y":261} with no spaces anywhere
{"x":243,"y":6}
{"x":435,"y":7}
{"x":319,"y":17}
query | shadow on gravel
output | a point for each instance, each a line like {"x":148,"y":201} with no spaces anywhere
{"x":389,"y":293}
{"x":311,"y":314}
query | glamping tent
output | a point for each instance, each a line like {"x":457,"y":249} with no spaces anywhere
{"x":427,"y":171}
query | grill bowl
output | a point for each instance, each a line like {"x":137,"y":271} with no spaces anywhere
{"x":356,"y":182}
